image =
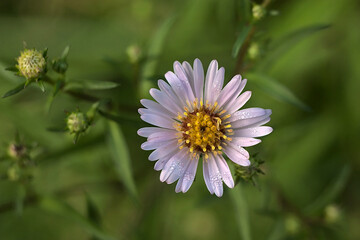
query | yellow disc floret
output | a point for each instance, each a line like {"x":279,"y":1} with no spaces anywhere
{"x":203,"y":130}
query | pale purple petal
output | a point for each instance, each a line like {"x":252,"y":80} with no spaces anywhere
{"x":189,"y":74}
{"x":147,"y":131}
{"x":143,"y":111}
{"x":176,"y":163}
{"x":167,"y":89}
{"x":163,"y":150}
{"x":210,"y":76}
{"x":165,"y":101}
{"x":239,"y":102}
{"x":206,"y":176}
{"x":215,"y":176}
{"x":253,"y":132}
{"x":229,"y":90}
{"x":232,"y":99}
{"x":158,"y":120}
{"x":149,"y":104}
{"x":180,"y":170}
{"x":252,"y":121}
{"x":236,"y":156}
{"x":181,"y":87}
{"x":217,"y":85}
{"x":188,"y":178}
{"x":224,"y":171}
{"x":199,"y":79}
{"x":247,"y":113}
{"x":245,"y":141}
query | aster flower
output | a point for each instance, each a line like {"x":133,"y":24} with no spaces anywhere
{"x":195,"y":117}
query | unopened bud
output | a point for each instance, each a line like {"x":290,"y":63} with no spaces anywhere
{"x":17,"y":151}
{"x":254,"y":51}
{"x":332,"y":214}
{"x":292,"y":224}
{"x":77,"y":122}
{"x":31,"y":64}
{"x":134,"y":53}
{"x":258,"y":12}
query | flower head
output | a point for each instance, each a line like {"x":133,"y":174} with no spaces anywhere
{"x":77,"y":122}
{"x":195,"y":117}
{"x":31,"y":64}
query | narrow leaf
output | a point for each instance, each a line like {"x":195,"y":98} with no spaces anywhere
{"x":14,"y":90}
{"x":276,"y":90}
{"x":12,"y":69}
{"x":41,"y":85}
{"x":280,"y":47}
{"x":331,"y":192}
{"x":241,"y":211}
{"x":90,"y":85}
{"x":124,"y":118}
{"x":65,"y":53}
{"x":61,"y":208}
{"x":92,"y":210}
{"x":240,"y":40}
{"x":121,"y":157}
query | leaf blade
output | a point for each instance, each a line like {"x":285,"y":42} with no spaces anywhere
{"x":276,"y":90}
{"x":14,"y":91}
{"x":121,"y":158}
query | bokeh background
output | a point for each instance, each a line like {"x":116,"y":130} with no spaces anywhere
{"x":305,"y":68}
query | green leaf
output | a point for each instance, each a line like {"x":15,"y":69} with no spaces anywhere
{"x":283,"y":45}
{"x":12,"y":69}
{"x":41,"y":85}
{"x":15,"y":90}
{"x":65,"y":53}
{"x":61,"y":208}
{"x":245,"y":10}
{"x":240,"y":40}
{"x":124,"y":118}
{"x":121,"y":158}
{"x":276,"y":90}
{"x":332,"y":191}
{"x":241,"y":211}
{"x":90,"y":85}
{"x":154,"y":50}
{"x":92,"y":210}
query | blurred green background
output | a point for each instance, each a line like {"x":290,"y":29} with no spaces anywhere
{"x":84,"y":191}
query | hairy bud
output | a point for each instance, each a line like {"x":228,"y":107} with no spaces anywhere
{"x":31,"y":64}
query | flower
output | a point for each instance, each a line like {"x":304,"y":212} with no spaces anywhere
{"x":31,"y":64}
{"x":195,"y":117}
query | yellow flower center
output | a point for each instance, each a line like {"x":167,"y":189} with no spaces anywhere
{"x":203,"y":130}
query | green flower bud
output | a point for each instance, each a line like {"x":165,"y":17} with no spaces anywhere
{"x":77,"y":122}
{"x":134,"y":53}
{"x":31,"y":64}
{"x":258,"y":12}
{"x":292,"y":224}
{"x":17,"y":151}
{"x":332,"y":214}
{"x":254,"y":51}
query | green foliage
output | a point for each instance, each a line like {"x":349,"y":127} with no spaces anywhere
{"x":304,"y":60}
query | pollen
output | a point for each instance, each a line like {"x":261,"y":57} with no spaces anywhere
{"x":202,"y":130}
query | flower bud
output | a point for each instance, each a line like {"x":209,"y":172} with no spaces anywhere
{"x":254,"y":51}
{"x":31,"y":64}
{"x":292,"y":224}
{"x":258,"y":12}
{"x":17,"y":151}
{"x":77,"y":122}
{"x":332,"y":214}
{"x":134,"y":53}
